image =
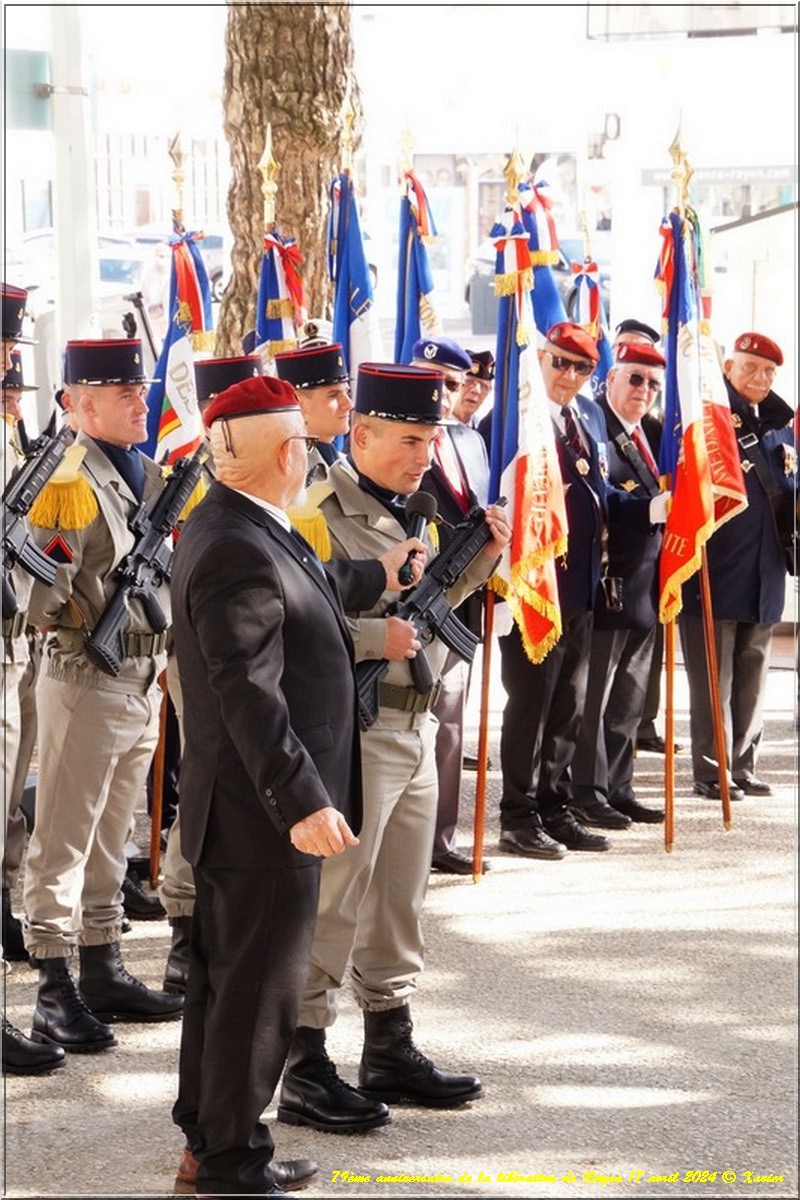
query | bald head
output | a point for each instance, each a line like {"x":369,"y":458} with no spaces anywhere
{"x":264,"y":454}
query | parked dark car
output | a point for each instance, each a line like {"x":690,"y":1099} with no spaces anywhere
{"x":479,"y":291}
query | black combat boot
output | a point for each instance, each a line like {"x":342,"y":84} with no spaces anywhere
{"x":393,"y":1069}
{"x":176,"y":971}
{"x":13,"y":941}
{"x":138,"y":904}
{"x":313,"y":1094}
{"x":61,"y":1014}
{"x":25,"y":1056}
{"x":113,"y":994}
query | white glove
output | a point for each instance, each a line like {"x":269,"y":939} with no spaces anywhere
{"x":659,"y":507}
{"x":503,"y":620}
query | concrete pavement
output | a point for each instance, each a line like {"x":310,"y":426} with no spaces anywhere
{"x":632,"y":1015}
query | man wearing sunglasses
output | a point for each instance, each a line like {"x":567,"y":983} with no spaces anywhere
{"x":623,"y":637}
{"x":545,"y":701}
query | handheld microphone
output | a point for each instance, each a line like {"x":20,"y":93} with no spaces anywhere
{"x":420,"y":510}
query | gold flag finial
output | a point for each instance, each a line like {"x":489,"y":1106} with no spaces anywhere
{"x":175,"y":152}
{"x":514,"y":172}
{"x":269,"y":168}
{"x":405,"y":156}
{"x":348,"y":121}
{"x":682,"y":172}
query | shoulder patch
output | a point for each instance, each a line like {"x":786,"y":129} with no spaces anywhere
{"x":59,"y":550}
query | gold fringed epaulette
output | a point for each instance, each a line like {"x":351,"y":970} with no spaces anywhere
{"x":309,"y":521}
{"x":67,"y":501}
{"x":196,"y":495}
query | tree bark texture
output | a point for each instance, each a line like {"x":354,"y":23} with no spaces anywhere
{"x":288,"y":65}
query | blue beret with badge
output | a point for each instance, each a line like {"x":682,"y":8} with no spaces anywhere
{"x":441,"y":352}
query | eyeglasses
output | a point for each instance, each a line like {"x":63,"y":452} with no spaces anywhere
{"x":636,"y":380}
{"x":564,"y":364}
{"x":300,"y":437}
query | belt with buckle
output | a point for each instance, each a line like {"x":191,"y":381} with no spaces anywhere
{"x":407,"y":699}
{"x":14,"y":626}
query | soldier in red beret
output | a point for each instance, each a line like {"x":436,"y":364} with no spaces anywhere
{"x":748,"y":558}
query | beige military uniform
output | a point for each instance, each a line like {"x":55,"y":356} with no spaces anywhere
{"x":97,"y":733}
{"x":371,"y":895}
{"x":15,"y":664}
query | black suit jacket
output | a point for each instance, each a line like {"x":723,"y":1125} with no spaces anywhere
{"x":266,"y":667}
{"x":633,"y":550}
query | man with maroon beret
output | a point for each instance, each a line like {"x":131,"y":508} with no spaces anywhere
{"x":747,"y":567}
{"x":545,"y":700}
{"x":623,"y":636}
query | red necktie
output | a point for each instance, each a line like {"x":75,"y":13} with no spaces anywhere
{"x":571,"y":433}
{"x":448,"y":462}
{"x":638,"y":439}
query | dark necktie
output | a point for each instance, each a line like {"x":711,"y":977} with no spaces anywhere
{"x":307,"y":550}
{"x":447,"y":459}
{"x":638,"y":439}
{"x":571,"y":433}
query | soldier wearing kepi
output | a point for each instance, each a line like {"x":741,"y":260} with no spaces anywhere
{"x":623,"y":637}
{"x":97,"y":732}
{"x":21,"y":1055}
{"x":319,"y":376}
{"x":747,"y":566}
{"x":370,"y":905}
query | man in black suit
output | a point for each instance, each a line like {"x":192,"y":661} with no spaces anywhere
{"x":270,"y":778}
{"x":624,"y":633}
{"x":545,"y":700}
{"x":459,"y":478}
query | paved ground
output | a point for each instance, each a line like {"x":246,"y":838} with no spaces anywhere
{"x":632,"y":1014}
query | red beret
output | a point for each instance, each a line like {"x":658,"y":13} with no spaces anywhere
{"x":574,"y":339}
{"x":261,"y":394}
{"x":758,"y":343}
{"x":639,"y":352}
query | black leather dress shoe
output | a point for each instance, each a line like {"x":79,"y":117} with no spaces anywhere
{"x":638,"y":812}
{"x":531,"y":843}
{"x":290,"y":1176}
{"x":752,"y":786}
{"x":709,"y":789}
{"x":656,"y":744}
{"x":600,"y":815}
{"x":456,"y":863}
{"x":568,"y":829}
{"x":470,"y":762}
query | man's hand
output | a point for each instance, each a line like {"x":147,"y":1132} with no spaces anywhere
{"x":497,"y":520}
{"x":394,"y":559}
{"x":659,"y":508}
{"x":401,"y":640}
{"x":324,"y":832}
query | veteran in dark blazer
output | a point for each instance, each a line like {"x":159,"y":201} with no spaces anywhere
{"x":748,"y":558}
{"x":626,"y":607}
{"x":270,"y":779}
{"x":545,"y":700}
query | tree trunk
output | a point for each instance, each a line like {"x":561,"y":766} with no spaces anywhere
{"x":289,"y":65}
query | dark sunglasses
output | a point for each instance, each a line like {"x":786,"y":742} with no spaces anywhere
{"x":636,"y":380}
{"x":452,"y":385}
{"x":563,"y":364}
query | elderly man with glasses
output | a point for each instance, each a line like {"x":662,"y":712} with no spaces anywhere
{"x":623,"y":637}
{"x":545,"y":701}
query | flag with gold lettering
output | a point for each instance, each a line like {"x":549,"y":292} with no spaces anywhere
{"x":415,"y":311}
{"x":698,"y":456}
{"x":523,"y":460}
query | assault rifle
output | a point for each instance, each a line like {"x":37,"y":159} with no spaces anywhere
{"x":41,"y":459}
{"x":426,"y":606}
{"x":145,"y":567}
